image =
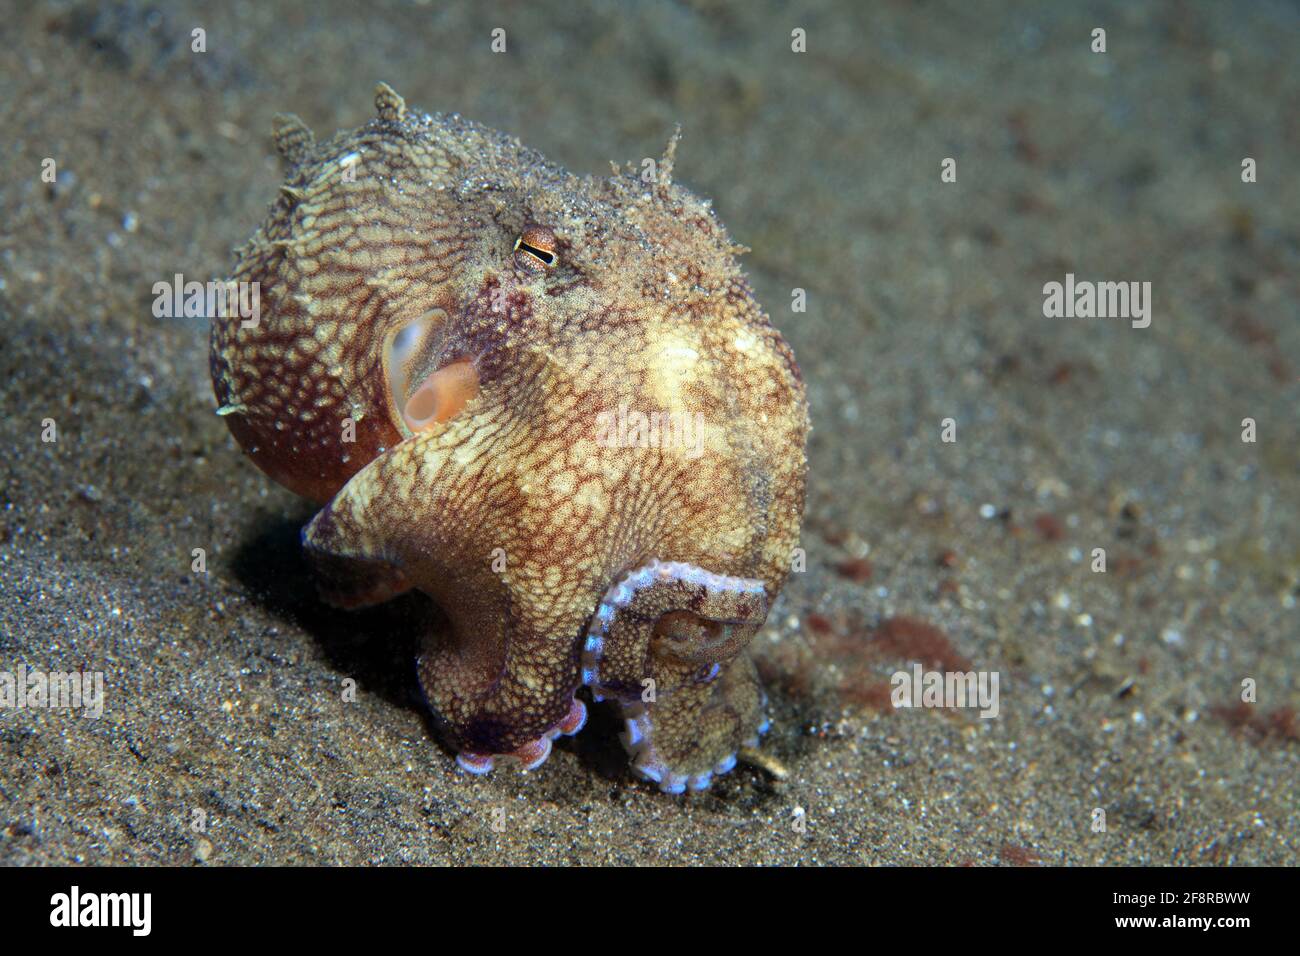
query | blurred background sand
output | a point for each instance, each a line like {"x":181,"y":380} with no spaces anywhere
{"x":1119,"y":691}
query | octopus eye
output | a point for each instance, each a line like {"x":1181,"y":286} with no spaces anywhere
{"x":537,"y":249}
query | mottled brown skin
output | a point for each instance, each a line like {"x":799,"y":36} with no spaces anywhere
{"x":642,"y":306}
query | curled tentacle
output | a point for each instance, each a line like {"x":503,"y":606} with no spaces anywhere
{"x":667,"y":643}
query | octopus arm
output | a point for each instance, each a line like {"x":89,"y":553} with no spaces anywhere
{"x":350,"y":582}
{"x":668,"y":644}
{"x":501,"y":677}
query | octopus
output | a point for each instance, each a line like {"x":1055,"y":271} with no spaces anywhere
{"x":550,"y":403}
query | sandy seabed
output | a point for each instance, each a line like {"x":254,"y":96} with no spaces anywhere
{"x":1119,"y":691}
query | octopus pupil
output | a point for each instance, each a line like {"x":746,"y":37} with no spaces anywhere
{"x":542,"y":254}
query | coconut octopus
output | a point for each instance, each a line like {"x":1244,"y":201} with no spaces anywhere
{"x":549,"y":402}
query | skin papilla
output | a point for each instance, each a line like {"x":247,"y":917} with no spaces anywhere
{"x":551,"y":403}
